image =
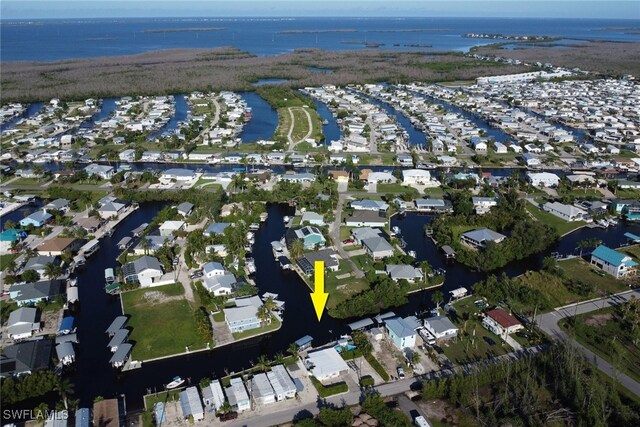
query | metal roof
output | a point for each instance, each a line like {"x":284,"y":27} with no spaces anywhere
{"x":117,"y":324}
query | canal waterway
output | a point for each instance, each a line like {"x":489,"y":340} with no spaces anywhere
{"x":416,"y":137}
{"x":331,"y":130}
{"x":180,"y":115}
{"x":32,"y":110}
{"x":264,"y":120}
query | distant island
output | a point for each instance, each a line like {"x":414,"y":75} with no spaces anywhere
{"x":411,"y":30}
{"x":183,"y":30}
{"x":508,"y":37}
{"x":317,"y":31}
{"x":363,"y":43}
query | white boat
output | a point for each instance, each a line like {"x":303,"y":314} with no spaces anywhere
{"x":412,"y":254}
{"x":286,"y":219}
{"x":109,"y":275}
{"x":177,"y":382}
{"x":250,"y":265}
{"x":396,"y":229}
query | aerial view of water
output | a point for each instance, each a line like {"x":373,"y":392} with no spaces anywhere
{"x":52,"y":40}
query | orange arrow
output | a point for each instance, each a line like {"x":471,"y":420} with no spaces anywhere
{"x":319,"y":296}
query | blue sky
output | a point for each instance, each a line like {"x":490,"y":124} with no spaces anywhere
{"x":24,"y":9}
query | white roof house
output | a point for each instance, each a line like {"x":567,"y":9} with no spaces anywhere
{"x":327,"y":364}
{"x":381,"y":177}
{"x":566,"y":212}
{"x":168,"y":227}
{"x":191,"y":404}
{"x":480,"y":237}
{"x":213,"y":396}
{"x":543,"y":179}
{"x":441,"y":327}
{"x":403,"y":271}
{"x":238,"y":396}
{"x":261,"y":389}
{"x":415,"y":176}
{"x":23,"y":322}
{"x":283,"y":385}
{"x":369,"y":205}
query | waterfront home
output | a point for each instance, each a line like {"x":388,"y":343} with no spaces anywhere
{"x":177,"y":175}
{"x":380,"y":178}
{"x":151,"y":156}
{"x":128,"y":155}
{"x":433,"y":205}
{"x":366,"y":219}
{"x":151,"y":243}
{"x":213,"y":396}
{"x":111,"y":209}
{"x":216,"y":229}
{"x":33,"y":293}
{"x":146,"y":270}
{"x":36,"y":219}
{"x":501,"y":323}
{"x":543,"y":179}
{"x":359,"y":234}
{"x":312,"y":218}
{"x":59,"y":245}
{"x":377,"y":247}
{"x":283,"y":385}
{"x":500,"y":148}
{"x":465,"y":176}
{"x":478,"y":144}
{"x":401,"y":333}
{"x":244,"y":316}
{"x":261,"y":389}
{"x":23,"y":323}
{"x":328,"y":256}
{"x":415,"y":177}
{"x":369,"y":205}
{"x":403,"y":272}
{"x":440,"y":327}
{"x":480,"y":237}
{"x":238,"y":396}
{"x":217,"y":280}
{"x":184,"y":209}
{"x":326,"y":365}
{"x":404,"y":160}
{"x":103,"y":171}
{"x":566,"y":212}
{"x":61,"y":205}
{"x":299,"y":178}
{"x":339,"y":176}
{"x":613,"y":262}
{"x":191,"y":404}
{"x":39,"y":263}
{"x":65,"y":353}
{"x":482,"y":205}
{"x":531,"y":160}
{"x":167,"y":228}
{"x":311,"y":237}
{"x":516,"y":148}
{"x":26,"y":357}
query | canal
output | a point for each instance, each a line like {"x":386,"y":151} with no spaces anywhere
{"x":330,"y":130}
{"x":32,"y":110}
{"x":264,"y":120}
{"x":179,"y":115}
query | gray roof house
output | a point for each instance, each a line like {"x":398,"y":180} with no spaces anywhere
{"x":283,"y":385}
{"x":216,"y":229}
{"x":312,"y":218}
{"x":328,"y":255}
{"x":39,"y":262}
{"x":220,"y":284}
{"x":261,"y":389}
{"x":369,"y":205}
{"x":26,"y":357}
{"x":480,"y":237}
{"x":37,"y":219}
{"x":366,"y":218}
{"x":441,"y":327}
{"x":23,"y":322}
{"x":145,"y":270}
{"x":403,"y":271}
{"x":244,"y":315}
{"x":185,"y":208}
{"x":111,"y":209}
{"x":377,"y":247}
{"x":191,"y":404}
{"x":58,"y":204}
{"x":433,"y":205}
{"x":33,"y":293}
{"x":359,"y":234}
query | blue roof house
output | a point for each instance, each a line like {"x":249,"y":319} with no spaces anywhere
{"x":37,"y":219}
{"x":613,"y":262}
{"x":401,"y":333}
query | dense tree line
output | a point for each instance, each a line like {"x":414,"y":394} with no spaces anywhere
{"x":384,"y":293}
{"x":28,"y":386}
{"x":556,"y":386}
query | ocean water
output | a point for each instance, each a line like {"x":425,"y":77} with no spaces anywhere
{"x":51,"y":40}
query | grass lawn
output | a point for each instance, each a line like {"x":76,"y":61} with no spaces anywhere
{"x":275,"y":324}
{"x":582,"y":193}
{"x":6,"y":259}
{"x":345,"y":233}
{"x":634,"y":251}
{"x":396,"y":188}
{"x":150,"y":308}
{"x":580,"y":270}
{"x":29,"y":181}
{"x":603,"y":332}
{"x":165,"y":396}
{"x":563,"y":227}
{"x":211,"y":183}
{"x":329,"y":390}
{"x":363,"y":261}
{"x":468,"y":347}
{"x":626,"y":193}
{"x":341,"y":289}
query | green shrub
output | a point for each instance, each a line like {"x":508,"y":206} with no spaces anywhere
{"x":329,"y":390}
{"x":366,"y":381}
{"x":377,"y":366}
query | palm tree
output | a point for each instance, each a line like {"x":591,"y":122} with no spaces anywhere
{"x":51,"y":271}
{"x":264,"y":315}
{"x":437,"y":297}
{"x":278,"y":358}
{"x":64,"y":389}
{"x":11,"y":267}
{"x":293,"y":349}
{"x":297,"y":249}
{"x":145,"y":245}
{"x":226,"y":407}
{"x":262,"y":363}
{"x":270,"y":304}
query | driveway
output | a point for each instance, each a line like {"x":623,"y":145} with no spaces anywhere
{"x":548,"y":323}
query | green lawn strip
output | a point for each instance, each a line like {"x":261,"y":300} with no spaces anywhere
{"x":634,"y":251}
{"x":377,"y":366}
{"x":563,"y":227}
{"x":219,"y":316}
{"x":367,"y":381}
{"x":329,"y":390}
{"x":395,"y":188}
{"x":470,"y":345}
{"x":580,"y":270}
{"x":345,"y":233}
{"x":6,"y":259}
{"x":29,"y":181}
{"x":160,"y":328}
{"x":164,"y":396}
{"x":275,"y":324}
{"x":608,"y":338}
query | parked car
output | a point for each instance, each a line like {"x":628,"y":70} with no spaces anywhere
{"x":196,"y":275}
{"x":489,"y":340}
{"x":522,"y":334}
{"x":348,"y":242}
{"x":400,"y":373}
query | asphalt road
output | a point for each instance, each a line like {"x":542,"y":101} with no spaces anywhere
{"x":548,"y":323}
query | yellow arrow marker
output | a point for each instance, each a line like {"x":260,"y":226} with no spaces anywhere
{"x":319,"y":296}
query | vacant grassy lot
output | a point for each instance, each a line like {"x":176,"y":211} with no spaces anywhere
{"x":341,"y":289}
{"x":162,"y":322}
{"x":634,"y":251}
{"x":470,"y":345}
{"x":563,"y":227}
{"x":578,"y":269}
{"x":396,"y":189}
{"x":603,"y":332}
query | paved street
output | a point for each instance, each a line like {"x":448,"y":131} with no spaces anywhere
{"x":548,"y":323}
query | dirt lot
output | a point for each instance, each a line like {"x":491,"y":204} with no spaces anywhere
{"x":598,"y":319}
